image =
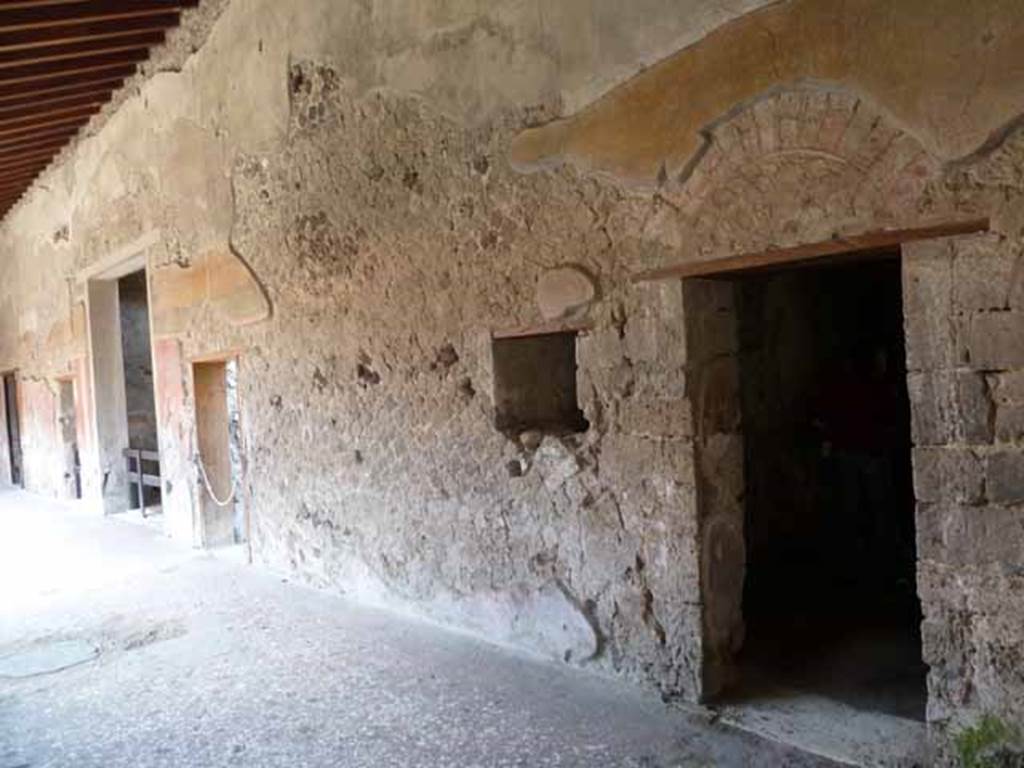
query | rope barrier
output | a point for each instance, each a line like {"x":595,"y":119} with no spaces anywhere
{"x":209,"y":488}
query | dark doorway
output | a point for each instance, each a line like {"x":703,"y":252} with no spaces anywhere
{"x":140,"y":401}
{"x":13,"y":428}
{"x":69,"y":440}
{"x":830,"y":601}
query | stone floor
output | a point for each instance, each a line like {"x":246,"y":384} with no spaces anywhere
{"x":173,"y":657}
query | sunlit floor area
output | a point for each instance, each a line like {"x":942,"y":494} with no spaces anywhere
{"x":119,"y":648}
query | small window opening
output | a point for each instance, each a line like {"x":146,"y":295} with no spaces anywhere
{"x":535,"y":384}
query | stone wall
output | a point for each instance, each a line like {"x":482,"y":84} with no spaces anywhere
{"x":354,"y":234}
{"x":713,"y":368}
{"x":323,"y":190}
{"x":965,"y":329}
{"x":578,"y":543}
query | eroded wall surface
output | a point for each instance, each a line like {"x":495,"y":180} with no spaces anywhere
{"x":323,"y":188}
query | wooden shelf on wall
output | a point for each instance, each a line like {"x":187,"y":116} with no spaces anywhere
{"x":544,"y":329}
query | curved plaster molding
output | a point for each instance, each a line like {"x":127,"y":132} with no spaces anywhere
{"x":947,"y":72}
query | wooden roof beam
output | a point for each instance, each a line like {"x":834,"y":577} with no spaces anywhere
{"x":22,"y":15}
{"x":21,"y":180}
{"x":16,"y":175}
{"x":29,"y":130}
{"x":38,"y":106}
{"x":22,"y":187}
{"x":79,"y":49}
{"x":37,"y":165}
{"x":64,"y":84}
{"x":43,"y":119}
{"x":50,"y":70}
{"x":53,"y":148}
{"x":25,"y":157}
{"x":44,"y":135}
{"x":52,"y":151}
{"x":60,"y":62}
{"x":74,"y":32}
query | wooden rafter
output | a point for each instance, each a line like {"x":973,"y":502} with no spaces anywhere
{"x":49,"y":116}
{"x":48,"y":134}
{"x":9,"y":165}
{"x":42,"y":54}
{"x":20,"y":92}
{"x":85,"y":30}
{"x":23,"y":15}
{"x":60,"y":62}
{"x":53,"y":70}
{"x":39,"y":106}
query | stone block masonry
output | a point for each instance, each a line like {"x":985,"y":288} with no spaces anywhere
{"x":323,"y":189}
{"x":968,"y":471}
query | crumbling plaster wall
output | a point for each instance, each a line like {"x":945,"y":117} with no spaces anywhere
{"x":353,"y":178}
{"x":323,"y":188}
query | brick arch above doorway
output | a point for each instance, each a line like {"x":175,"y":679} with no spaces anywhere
{"x":799,"y":165}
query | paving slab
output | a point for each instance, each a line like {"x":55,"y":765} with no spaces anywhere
{"x":203,"y":661}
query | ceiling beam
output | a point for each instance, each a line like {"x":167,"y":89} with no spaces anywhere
{"x":43,"y":119}
{"x":48,"y":134}
{"x":60,"y":62}
{"x":16,"y":171}
{"x":22,"y":39}
{"x":29,"y":130}
{"x":64,"y":84}
{"x":16,"y":176}
{"x":82,"y":48}
{"x":26,"y":157}
{"x":20,"y":188}
{"x":53,"y":146}
{"x":31,"y":73}
{"x":22,"y":15}
{"x":38,"y":106}
{"x":9,"y":160}
{"x":21,"y":180}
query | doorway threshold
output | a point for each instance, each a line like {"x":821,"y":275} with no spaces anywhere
{"x":237,"y":554}
{"x":152,"y":517}
{"x":827,"y":727}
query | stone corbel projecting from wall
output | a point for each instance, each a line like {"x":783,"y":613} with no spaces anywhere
{"x":953,"y":86}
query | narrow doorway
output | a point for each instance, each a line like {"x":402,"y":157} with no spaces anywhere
{"x":125,"y":402}
{"x":219,"y":459}
{"x":140,"y":401}
{"x":68,"y":424}
{"x":829,"y":599}
{"x":13,"y":428}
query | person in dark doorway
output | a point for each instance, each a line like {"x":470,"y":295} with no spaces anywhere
{"x":856,"y":413}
